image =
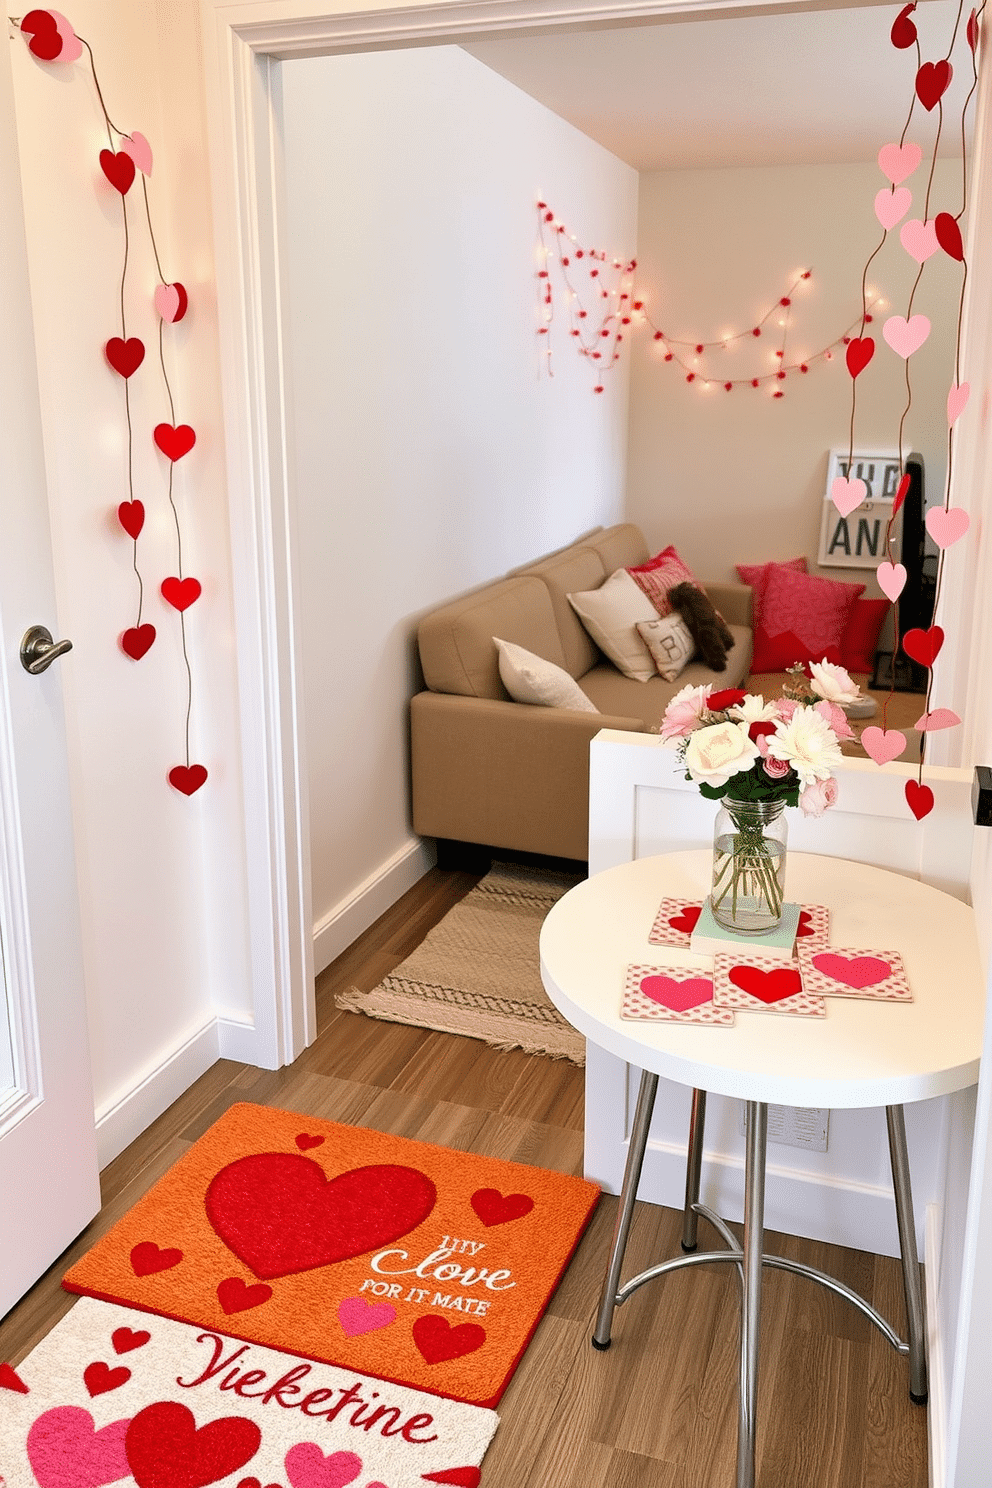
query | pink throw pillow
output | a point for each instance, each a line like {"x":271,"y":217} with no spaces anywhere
{"x":662,"y":573}
{"x":756,"y":575}
{"x":815,"y":611}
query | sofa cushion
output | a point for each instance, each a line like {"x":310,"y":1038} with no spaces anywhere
{"x":531,"y":679}
{"x":610,"y":614}
{"x":803,"y":619}
{"x":568,"y":572}
{"x":660,"y":575}
{"x":613,"y":693}
{"x":456,"y":641}
{"x":670,"y":642}
{"x":621,"y":546}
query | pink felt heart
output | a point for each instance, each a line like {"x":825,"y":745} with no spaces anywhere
{"x":679,"y":997}
{"x":919,"y":239}
{"x":307,"y":1467}
{"x":891,"y":579}
{"x":846,"y":494}
{"x":65,"y":1449}
{"x":899,"y":161}
{"x":860,"y":350}
{"x":923,"y":645}
{"x":956,"y":400}
{"x":357,"y":1316}
{"x":883,"y":745}
{"x":919,"y":799}
{"x":853,"y":971}
{"x":906,"y":336}
{"x":947,"y":526}
{"x":140,"y":152}
{"x":72,"y":47}
{"x":171,"y":301}
{"x":892,"y":206}
{"x":937,"y":718}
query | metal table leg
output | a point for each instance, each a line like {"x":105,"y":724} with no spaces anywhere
{"x":754,"y":1223}
{"x":899,"y":1157}
{"x":693,"y":1171}
{"x":625,"y":1213}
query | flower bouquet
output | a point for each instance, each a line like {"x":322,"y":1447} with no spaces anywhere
{"x":756,"y":758}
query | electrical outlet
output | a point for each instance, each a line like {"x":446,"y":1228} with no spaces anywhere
{"x":797,"y":1126}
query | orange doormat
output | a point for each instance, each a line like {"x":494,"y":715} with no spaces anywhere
{"x":418,"y":1264}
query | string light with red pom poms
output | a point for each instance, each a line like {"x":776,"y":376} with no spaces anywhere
{"x":604,"y":304}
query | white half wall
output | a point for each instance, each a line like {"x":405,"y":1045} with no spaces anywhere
{"x":430,"y":451}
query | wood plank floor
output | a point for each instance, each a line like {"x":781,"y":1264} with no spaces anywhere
{"x":658,"y":1410}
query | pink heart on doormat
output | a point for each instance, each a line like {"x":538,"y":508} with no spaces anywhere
{"x":677,"y":996}
{"x":357,"y":1316}
{"x":307,"y":1467}
{"x":853,"y":971}
{"x":899,"y":161}
{"x":883,"y":745}
{"x":65,"y":1449}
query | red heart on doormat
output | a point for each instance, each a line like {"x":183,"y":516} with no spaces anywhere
{"x":45,"y":43}
{"x":256,"y":1483}
{"x":99,"y":1378}
{"x":174,"y":442}
{"x":458,"y":1477}
{"x":125,"y":356}
{"x":165,"y":1450}
{"x":687,"y":919}
{"x":118,"y":169}
{"x":280,"y":1213}
{"x":438,"y":1341}
{"x":187,"y":778}
{"x":125,"y":1339}
{"x":494,"y":1208}
{"x":305,"y":1141}
{"x":181,"y":593}
{"x":137,"y":640}
{"x":767,"y":986}
{"x":235,"y":1295}
{"x":146,"y":1258}
{"x":131,"y":515}
{"x":11,"y":1380}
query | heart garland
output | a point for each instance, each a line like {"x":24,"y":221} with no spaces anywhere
{"x":921,"y":239}
{"x":51,"y":38}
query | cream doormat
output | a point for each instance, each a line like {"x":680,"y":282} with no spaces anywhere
{"x":478,"y":971}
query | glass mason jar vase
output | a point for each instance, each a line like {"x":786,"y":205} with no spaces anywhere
{"x":749,"y":850}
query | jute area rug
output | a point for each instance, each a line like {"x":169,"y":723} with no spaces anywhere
{"x":478,"y":971}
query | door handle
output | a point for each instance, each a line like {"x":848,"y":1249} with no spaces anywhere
{"x":39,"y":650}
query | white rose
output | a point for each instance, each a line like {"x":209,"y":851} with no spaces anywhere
{"x":832,"y":683}
{"x":716,"y":753}
{"x":808,"y":743}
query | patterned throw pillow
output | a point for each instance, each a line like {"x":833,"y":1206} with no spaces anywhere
{"x":757,"y":576}
{"x":670,"y":642}
{"x":660,"y":575}
{"x":804,"y":619}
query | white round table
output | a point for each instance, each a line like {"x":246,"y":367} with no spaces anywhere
{"x":863,"y":1053}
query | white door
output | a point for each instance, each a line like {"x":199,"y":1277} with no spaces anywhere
{"x":49,"y":1186}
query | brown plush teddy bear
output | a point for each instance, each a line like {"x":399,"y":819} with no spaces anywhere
{"x":706,"y":626}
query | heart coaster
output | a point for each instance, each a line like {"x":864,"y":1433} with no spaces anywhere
{"x":758,"y":984}
{"x":814,"y":925}
{"x":672,"y":994}
{"x":841,"y":971}
{"x":675,"y":922}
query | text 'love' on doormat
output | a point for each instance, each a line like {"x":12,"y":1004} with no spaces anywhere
{"x":415,"y":1263}
{"x":112,"y":1394}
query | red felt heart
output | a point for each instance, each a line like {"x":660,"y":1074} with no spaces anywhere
{"x":146,"y":1258}
{"x":174,"y":441}
{"x":902,"y":491}
{"x":676,"y":995}
{"x":305,"y":1141}
{"x":853,"y":971}
{"x":131,"y":515}
{"x":805,"y":926}
{"x":932,"y":82}
{"x":165,"y":1450}
{"x":236,"y":1295}
{"x":118,"y":169}
{"x":919,"y":798}
{"x":859,"y":353}
{"x":181,"y":593}
{"x":767,"y":986}
{"x":187,"y":778}
{"x":438,"y":1341}
{"x":972,"y":31}
{"x":280,"y":1213}
{"x":687,"y":918}
{"x":126,"y":1339}
{"x":458,"y":1477}
{"x":125,"y":356}
{"x":10,"y":1380}
{"x":137,"y":640}
{"x":45,"y":43}
{"x":923,"y":645}
{"x":903,"y":32}
{"x":494,"y":1208}
{"x":949,"y":235}
{"x":99,"y":1378}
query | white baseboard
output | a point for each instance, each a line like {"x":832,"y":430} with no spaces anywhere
{"x":127,"y":1114}
{"x":937,"y":1362}
{"x":335,"y":931}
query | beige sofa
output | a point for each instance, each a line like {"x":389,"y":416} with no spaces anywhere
{"x":502,"y":774}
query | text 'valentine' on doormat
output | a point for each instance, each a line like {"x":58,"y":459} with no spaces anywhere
{"x":415,"y":1263}
{"x":112,"y":1394}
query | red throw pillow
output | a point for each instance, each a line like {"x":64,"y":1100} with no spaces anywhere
{"x":756,"y":575}
{"x":662,"y":573}
{"x":857,"y":648}
{"x":804,"y":619}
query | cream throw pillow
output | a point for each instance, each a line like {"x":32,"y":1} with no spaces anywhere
{"x":611,"y":615}
{"x":670,"y":642}
{"x":531,"y":679}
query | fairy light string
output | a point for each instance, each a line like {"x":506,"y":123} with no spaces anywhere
{"x":51,"y":38}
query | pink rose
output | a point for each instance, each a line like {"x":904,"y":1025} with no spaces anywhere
{"x":815,"y":799}
{"x":684,"y":713}
{"x":836,"y":717}
{"x":785,"y":708}
{"x":776,"y":769}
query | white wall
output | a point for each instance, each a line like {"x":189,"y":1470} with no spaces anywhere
{"x":161,"y":875}
{"x":740,"y":477}
{"x":431,"y":452}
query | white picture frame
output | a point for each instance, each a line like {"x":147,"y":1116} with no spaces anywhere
{"x":858,"y":540}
